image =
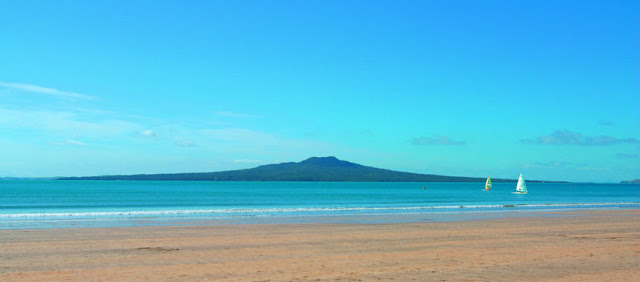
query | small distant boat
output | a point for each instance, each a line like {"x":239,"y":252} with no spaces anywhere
{"x":521,"y":188}
{"x":487,"y":185}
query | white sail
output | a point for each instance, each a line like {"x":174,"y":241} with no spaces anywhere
{"x":522,"y":186}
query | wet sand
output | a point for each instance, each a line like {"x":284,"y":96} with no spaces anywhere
{"x":574,"y":246}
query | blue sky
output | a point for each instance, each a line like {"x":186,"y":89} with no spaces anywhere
{"x":472,"y":88}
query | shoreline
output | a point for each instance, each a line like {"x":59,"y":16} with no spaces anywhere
{"x":241,"y":216}
{"x":566,"y":246}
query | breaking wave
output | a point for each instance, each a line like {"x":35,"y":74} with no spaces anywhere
{"x":302,"y":210}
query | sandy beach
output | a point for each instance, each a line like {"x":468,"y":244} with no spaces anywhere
{"x":568,"y":246}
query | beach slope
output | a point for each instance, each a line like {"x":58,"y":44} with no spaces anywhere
{"x":568,"y":246}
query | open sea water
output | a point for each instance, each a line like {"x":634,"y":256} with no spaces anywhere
{"x":73,"y":204}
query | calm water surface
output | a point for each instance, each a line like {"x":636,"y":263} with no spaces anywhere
{"x":65,"y":204}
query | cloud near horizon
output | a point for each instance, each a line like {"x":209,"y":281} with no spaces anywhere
{"x":566,"y":137}
{"x":550,"y":164}
{"x":436,"y":140}
{"x":45,"y":90}
{"x":65,"y":122}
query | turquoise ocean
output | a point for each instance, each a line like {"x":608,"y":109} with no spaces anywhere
{"x":26,"y":204}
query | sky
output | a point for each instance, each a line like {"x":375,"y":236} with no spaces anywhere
{"x":550,"y":89}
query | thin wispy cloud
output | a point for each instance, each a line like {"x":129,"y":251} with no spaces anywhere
{"x":71,"y":142}
{"x":246,"y":141}
{"x":247,"y":161}
{"x":184,"y":143}
{"x":566,"y":137}
{"x":367,"y":132}
{"x":550,"y":164}
{"x":76,"y":142}
{"x":436,"y":140}
{"x":147,"y":133}
{"x":605,"y":123}
{"x":627,"y":156}
{"x":46,"y":91}
{"x":239,"y":135}
{"x":230,"y":114}
{"x":586,"y":168}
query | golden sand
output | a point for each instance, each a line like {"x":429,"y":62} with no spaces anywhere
{"x":576,"y":246}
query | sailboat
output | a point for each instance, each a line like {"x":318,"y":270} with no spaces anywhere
{"x":487,"y":185}
{"x":522,"y":187}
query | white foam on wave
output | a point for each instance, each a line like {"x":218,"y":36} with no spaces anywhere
{"x":276,"y":211}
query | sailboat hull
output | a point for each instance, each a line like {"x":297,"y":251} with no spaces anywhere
{"x":520,"y":192}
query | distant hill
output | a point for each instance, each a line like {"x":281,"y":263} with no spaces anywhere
{"x":26,"y":178}
{"x":312,"y":169}
{"x":635,"y":181}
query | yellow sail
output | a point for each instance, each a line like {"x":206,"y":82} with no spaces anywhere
{"x":487,"y":185}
